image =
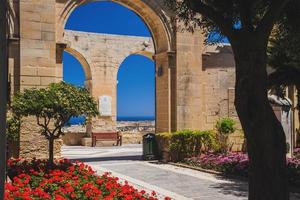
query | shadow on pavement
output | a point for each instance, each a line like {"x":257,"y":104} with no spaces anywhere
{"x":234,"y":187}
{"x":240,"y":189}
{"x":111,"y":158}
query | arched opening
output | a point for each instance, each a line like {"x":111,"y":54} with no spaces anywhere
{"x":101,"y":55}
{"x":152,"y":13}
{"x":136,"y":93}
{"x":74,"y":66}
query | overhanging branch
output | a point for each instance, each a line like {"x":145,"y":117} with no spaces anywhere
{"x":245,"y":7}
{"x":275,"y":10}
{"x":207,"y":11}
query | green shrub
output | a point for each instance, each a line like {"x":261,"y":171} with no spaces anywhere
{"x":12,"y":128}
{"x":225,"y":127}
{"x":187,"y":143}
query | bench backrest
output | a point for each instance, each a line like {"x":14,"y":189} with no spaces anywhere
{"x":106,"y":135}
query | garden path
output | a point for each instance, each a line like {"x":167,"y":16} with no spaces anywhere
{"x":178,"y":183}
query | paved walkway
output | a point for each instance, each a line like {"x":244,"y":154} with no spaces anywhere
{"x":178,"y":183}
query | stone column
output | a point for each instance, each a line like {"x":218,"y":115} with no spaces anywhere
{"x":105,"y":84}
{"x":292,"y":94}
{"x":37,"y":66}
{"x":165,"y":91}
{"x":37,"y":43}
{"x":189,"y":81}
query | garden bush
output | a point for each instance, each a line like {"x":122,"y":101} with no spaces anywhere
{"x":187,"y":143}
{"x":225,"y":127}
{"x":33,"y":180}
{"x":12,"y":128}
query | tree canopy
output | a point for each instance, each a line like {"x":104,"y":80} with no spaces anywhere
{"x":284,"y":48}
{"x":53,"y":107}
{"x":229,"y":18}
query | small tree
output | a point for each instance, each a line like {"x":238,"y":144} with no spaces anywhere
{"x":53,"y":107}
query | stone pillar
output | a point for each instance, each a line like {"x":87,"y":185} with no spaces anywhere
{"x":37,"y":43}
{"x":14,"y":65}
{"x":60,"y":47}
{"x":292,"y":94}
{"x":165,"y":91}
{"x":37,"y":66}
{"x":105,"y":84}
{"x":189,"y":81}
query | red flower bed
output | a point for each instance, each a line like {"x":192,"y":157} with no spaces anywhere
{"x":33,"y":180}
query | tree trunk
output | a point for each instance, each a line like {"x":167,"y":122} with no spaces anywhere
{"x":266,"y":143}
{"x":51,"y":150}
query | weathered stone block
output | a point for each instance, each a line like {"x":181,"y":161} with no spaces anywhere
{"x":87,"y":142}
{"x":30,"y":80}
{"x":32,"y":143}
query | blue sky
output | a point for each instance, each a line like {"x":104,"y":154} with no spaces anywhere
{"x":136,"y":88}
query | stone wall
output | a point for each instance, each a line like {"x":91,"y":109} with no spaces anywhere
{"x":73,"y":138}
{"x":132,"y":138}
{"x":218,"y":84}
{"x":33,"y":144}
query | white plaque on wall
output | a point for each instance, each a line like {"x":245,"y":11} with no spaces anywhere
{"x":105,"y":105}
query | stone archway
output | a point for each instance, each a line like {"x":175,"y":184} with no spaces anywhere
{"x":85,"y":66}
{"x":101,"y":56}
{"x":154,"y":15}
{"x":151,"y":12}
{"x":84,"y":63}
{"x":181,"y":79}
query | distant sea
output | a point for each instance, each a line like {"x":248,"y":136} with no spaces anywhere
{"x":80,"y":120}
{"x":136,"y":119}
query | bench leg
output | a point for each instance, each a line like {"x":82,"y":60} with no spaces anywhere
{"x":120,"y":140}
{"x":93,"y":141}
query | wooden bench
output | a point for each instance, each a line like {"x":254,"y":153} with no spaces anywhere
{"x":107,"y":136}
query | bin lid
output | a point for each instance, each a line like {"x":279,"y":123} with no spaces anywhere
{"x":149,"y":135}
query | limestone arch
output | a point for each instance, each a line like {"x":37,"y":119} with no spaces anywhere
{"x":85,"y":66}
{"x":151,"y":12}
{"x":84,"y":63}
{"x":147,"y":54}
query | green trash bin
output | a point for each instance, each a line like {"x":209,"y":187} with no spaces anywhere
{"x":149,"y":147}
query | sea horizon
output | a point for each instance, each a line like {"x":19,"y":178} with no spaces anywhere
{"x":136,"y":118}
{"x":79,"y":120}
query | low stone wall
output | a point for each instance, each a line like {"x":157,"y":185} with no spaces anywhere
{"x":79,"y":138}
{"x":33,"y":144}
{"x":73,"y":139}
{"x":132,"y":138}
{"x":237,"y":141}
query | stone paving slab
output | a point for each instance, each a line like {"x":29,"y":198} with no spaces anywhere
{"x":203,"y":186}
{"x":168,"y":180}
